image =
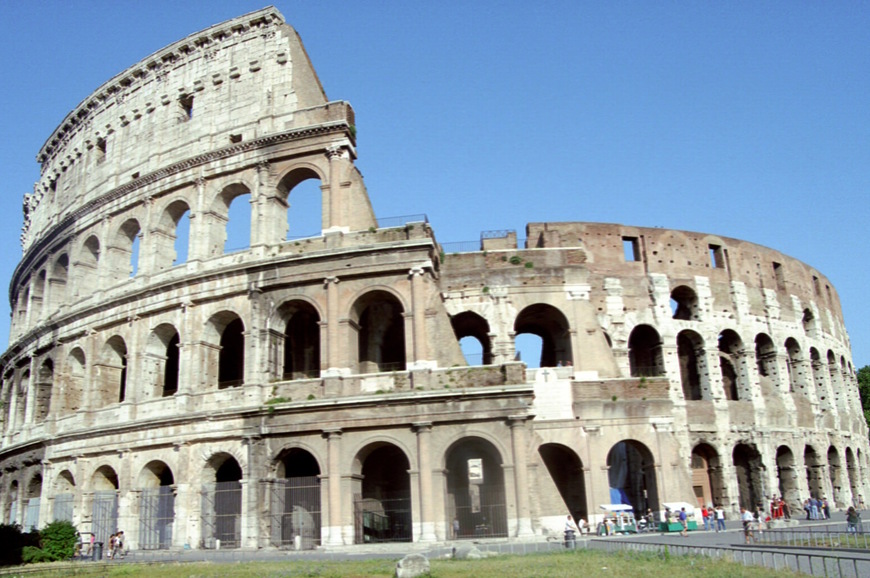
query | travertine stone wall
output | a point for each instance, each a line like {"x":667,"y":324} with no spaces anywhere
{"x":675,"y":366}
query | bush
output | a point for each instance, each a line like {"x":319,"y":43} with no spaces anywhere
{"x":12,"y":541}
{"x":59,"y":540}
{"x":34,"y":555}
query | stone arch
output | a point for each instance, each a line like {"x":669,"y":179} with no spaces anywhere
{"x":551,"y":325}
{"x":226,"y":232}
{"x":808,"y":320}
{"x":161,"y":361}
{"x":469,"y":326}
{"x":44,"y":389}
{"x":837,"y":385}
{"x":795,"y":365}
{"x":749,"y":468}
{"x":382,"y":494}
{"x":87,"y":267}
{"x":169,"y":244}
{"x":104,"y":512}
{"x":815,"y":472}
{"x":37,"y":295}
{"x":73,"y":394}
{"x":13,"y":495}
{"x":58,"y":282}
{"x":156,"y":506}
{"x":707,"y":482}
{"x":853,"y":472}
{"x":645,"y":352}
{"x":476,"y":488}
{"x":63,"y":490}
{"x":836,"y":477}
{"x":818,"y":369}
{"x":301,"y":339}
{"x":22,"y":303}
{"x":380,"y":325}
{"x":33,"y":497}
{"x":684,"y":303}
{"x":690,"y":350}
{"x":225,"y":352}
{"x":111,"y":372}
{"x":787,"y":475}
{"x":300,"y":212}
{"x":566,"y":471}
{"x":631,"y":475}
{"x":22,"y":395}
{"x":222,"y":502}
{"x":123,"y":251}
{"x":732,"y":365}
{"x":295,"y":500}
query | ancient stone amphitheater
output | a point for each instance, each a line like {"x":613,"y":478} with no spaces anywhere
{"x":310,"y":392}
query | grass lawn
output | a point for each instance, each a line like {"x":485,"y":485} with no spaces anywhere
{"x":569,"y":564}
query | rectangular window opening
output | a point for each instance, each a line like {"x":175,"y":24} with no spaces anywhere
{"x":717,"y":257}
{"x":780,"y":276}
{"x":101,"y":150}
{"x":828,"y":293}
{"x":186,"y":105}
{"x":816,"y":286}
{"x":630,"y":249}
{"x":235,"y":138}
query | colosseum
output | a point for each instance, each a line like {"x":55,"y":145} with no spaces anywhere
{"x":313,"y":392}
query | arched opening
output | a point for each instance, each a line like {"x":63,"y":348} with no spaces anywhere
{"x":795,"y":365}
{"x":105,"y":507}
{"x":44,"y":387}
{"x":222,"y":503}
{"x":302,"y":190}
{"x":161,"y":361}
{"x":22,"y":304}
{"x":787,"y":475}
{"x":124,"y":251}
{"x":301,"y":340}
{"x":472,"y":331}
{"x":552,"y":327}
{"x":814,"y":468}
{"x":64,"y":494}
{"x":690,"y":350}
{"x":707,"y":480}
{"x":34,"y":497}
{"x":836,"y":383}
{"x":11,"y":514}
{"x":475,"y":489}
{"x":749,"y":469}
{"x":645,"y":352}
{"x":684,"y":303}
{"x":37,"y":296}
{"x":853,"y":472}
{"x":294,"y":501}
{"x":382,"y":495}
{"x":57,"y":283}
{"x":834,"y":474}
{"x":111,"y":372}
{"x":734,"y":379}
{"x":632,"y":477}
{"x":156,"y":506}
{"x":231,"y":360}
{"x":75,"y":378}
{"x":818,"y":369}
{"x":380,"y":332}
{"x":21,"y":398}
{"x":566,"y":471}
{"x":171,"y":238}
{"x":86,"y":272}
{"x":238,"y":211}
{"x":765,"y":356}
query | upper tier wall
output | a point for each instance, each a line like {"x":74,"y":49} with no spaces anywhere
{"x":234,"y":82}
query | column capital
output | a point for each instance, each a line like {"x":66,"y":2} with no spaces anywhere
{"x":328,"y":280}
{"x":330,"y":433}
{"x":519,"y":419}
{"x":422,"y":426}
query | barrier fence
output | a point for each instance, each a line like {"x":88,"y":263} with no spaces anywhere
{"x":812,"y":564}
{"x":816,"y":538}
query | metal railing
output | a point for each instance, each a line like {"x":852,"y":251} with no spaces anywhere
{"x":817,"y":538}
{"x":401,"y":221}
{"x":813,"y":564}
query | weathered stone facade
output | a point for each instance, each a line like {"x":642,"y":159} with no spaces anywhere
{"x":314,"y":391}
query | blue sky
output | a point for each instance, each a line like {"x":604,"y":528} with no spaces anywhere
{"x":743,"y":119}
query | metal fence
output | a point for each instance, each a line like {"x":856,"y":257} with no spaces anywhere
{"x":810,"y":563}
{"x":31,"y":515}
{"x":105,"y":520}
{"x":383,"y":519}
{"x":156,"y":518}
{"x":222,"y":515}
{"x":816,"y":538}
{"x":480,"y":511}
{"x":294,"y":509}
{"x":401,"y":221}
{"x":63,"y":507}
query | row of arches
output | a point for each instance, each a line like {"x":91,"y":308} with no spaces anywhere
{"x":823,"y":475}
{"x":153,"y":238}
{"x":737,"y":363}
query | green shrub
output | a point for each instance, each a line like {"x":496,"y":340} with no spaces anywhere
{"x":59,"y":540}
{"x":34,"y":555}
{"x":515,"y":260}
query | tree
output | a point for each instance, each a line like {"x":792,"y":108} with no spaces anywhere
{"x":864,"y":391}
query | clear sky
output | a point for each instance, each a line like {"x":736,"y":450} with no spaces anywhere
{"x":742,"y":119}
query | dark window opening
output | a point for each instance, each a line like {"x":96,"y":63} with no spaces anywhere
{"x":235,"y":138}
{"x":630,"y":249}
{"x":780,"y":276}
{"x":717,"y":257}
{"x":101,"y":150}
{"x":170,"y":372}
{"x":185,"y":103}
{"x":231,"y":365}
{"x":302,"y":344}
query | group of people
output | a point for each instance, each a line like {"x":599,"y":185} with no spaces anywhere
{"x":714,"y":517}
{"x":116,"y":545}
{"x":779,"y":509}
{"x":817,"y":509}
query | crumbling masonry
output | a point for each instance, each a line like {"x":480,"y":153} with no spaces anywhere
{"x":313,"y":391}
